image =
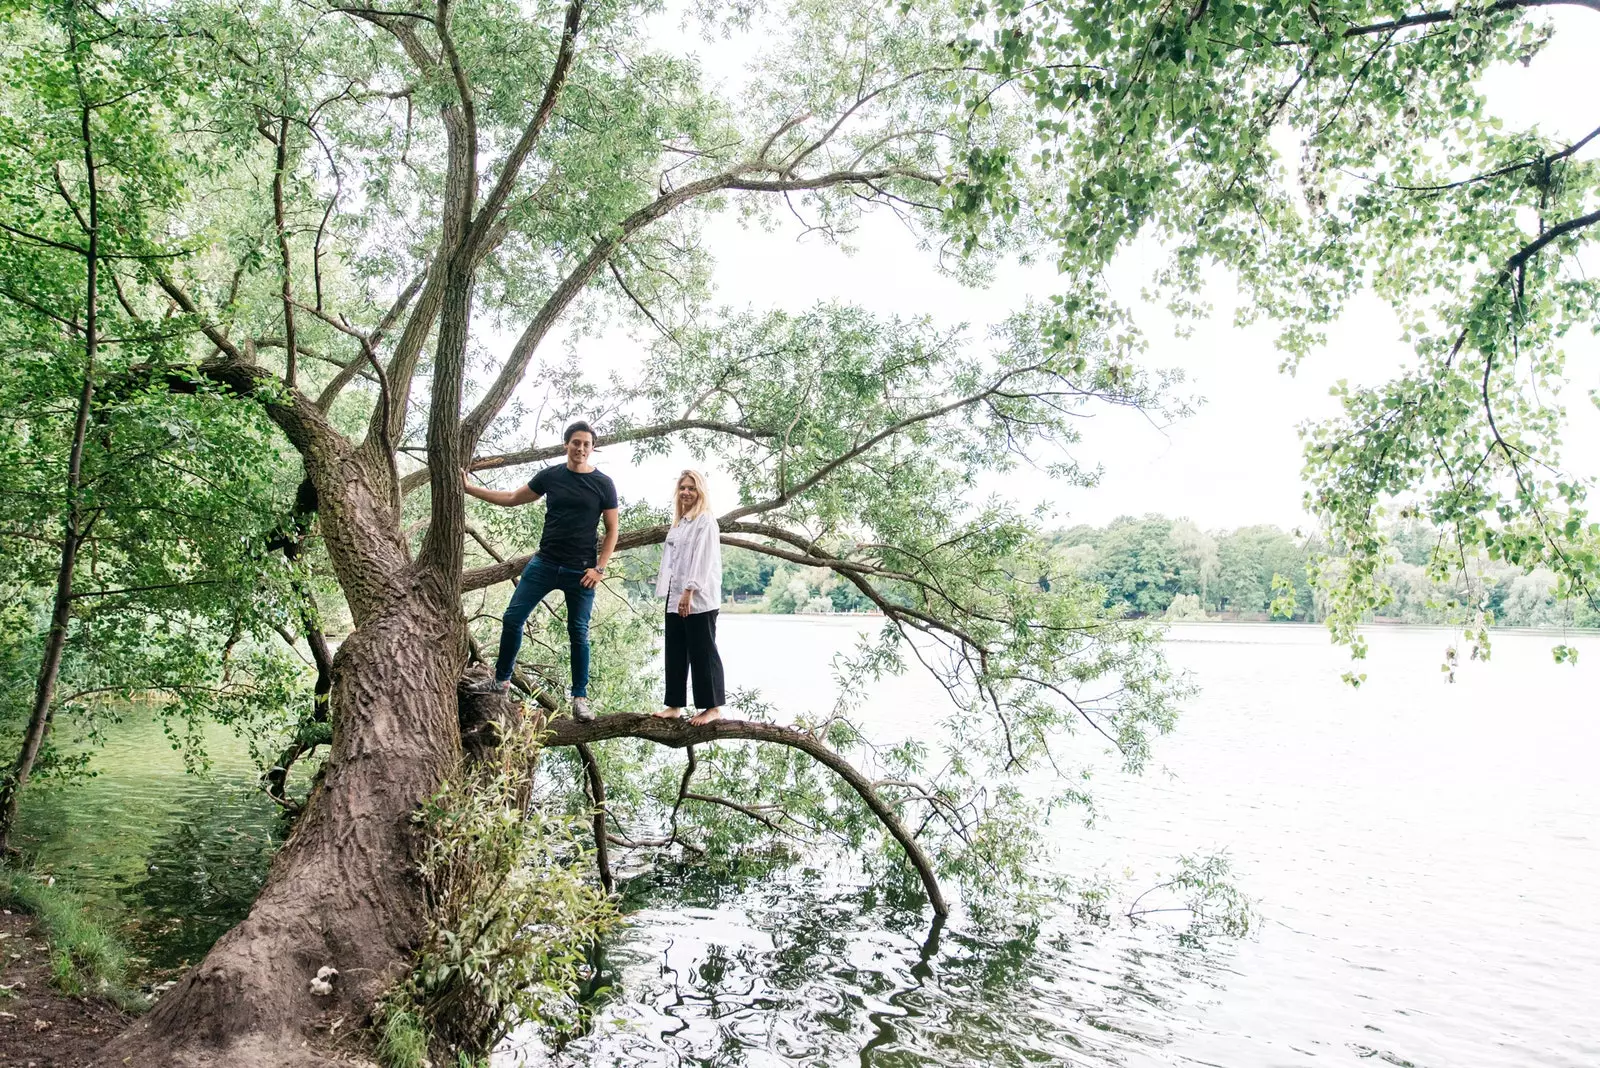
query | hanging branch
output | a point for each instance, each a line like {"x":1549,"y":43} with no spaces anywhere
{"x":596,"y":788}
{"x":679,"y":733}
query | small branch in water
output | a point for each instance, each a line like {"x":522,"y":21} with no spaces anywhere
{"x":744,"y":810}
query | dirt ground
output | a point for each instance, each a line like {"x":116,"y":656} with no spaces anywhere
{"x":40,"y":1027}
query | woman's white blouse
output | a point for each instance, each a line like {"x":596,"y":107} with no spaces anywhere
{"x":692,"y":560}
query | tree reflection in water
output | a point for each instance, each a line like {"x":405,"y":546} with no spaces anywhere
{"x":782,"y":963}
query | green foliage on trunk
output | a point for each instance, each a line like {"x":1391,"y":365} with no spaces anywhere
{"x":510,"y":916}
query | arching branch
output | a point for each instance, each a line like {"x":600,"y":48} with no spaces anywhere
{"x":679,"y":733}
{"x":512,"y":166}
{"x":1429,"y":18}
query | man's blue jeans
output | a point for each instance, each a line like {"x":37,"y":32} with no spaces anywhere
{"x":539,"y":578}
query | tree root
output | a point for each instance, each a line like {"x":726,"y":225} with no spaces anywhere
{"x":679,"y":733}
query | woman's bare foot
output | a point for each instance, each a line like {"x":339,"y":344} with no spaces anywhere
{"x":668,"y":713}
{"x":710,"y":715}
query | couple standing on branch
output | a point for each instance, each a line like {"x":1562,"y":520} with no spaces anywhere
{"x":577,"y":498}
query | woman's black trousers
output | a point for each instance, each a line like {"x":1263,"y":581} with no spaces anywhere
{"x":692,"y":646}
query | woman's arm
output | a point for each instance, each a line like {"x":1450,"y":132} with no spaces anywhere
{"x":707,"y":554}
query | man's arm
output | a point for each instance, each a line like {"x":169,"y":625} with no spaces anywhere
{"x":591,"y":578}
{"x":523,"y":494}
{"x":609,"y":546}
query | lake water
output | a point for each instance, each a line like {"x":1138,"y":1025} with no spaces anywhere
{"x":1425,"y":857}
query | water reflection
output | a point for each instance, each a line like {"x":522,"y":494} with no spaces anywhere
{"x":205,"y":872}
{"x":798,"y":967}
{"x":1421,"y":853}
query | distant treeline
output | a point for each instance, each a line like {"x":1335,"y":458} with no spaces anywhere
{"x":765,"y":584}
{"x":1154,"y":566}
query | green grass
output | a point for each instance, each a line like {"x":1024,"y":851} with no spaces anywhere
{"x":85,"y":958}
{"x":404,"y":1041}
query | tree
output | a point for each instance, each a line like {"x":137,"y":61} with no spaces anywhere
{"x":362,"y":184}
{"x":1249,"y":559}
{"x":1199,"y":552}
{"x":121,"y":512}
{"x":1169,"y":115}
{"x":1140,"y":567}
{"x":745,"y":573}
{"x":372,"y":181}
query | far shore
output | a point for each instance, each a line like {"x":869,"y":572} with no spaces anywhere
{"x":736,"y":609}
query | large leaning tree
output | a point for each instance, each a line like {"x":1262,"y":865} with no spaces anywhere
{"x":391,"y":217}
{"x":396,"y":214}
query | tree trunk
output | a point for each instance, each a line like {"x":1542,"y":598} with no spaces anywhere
{"x":55,"y":642}
{"x":72,"y":537}
{"x":342,"y":892}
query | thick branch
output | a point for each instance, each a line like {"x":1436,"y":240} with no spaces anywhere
{"x":1429,"y":18}
{"x":478,"y":578}
{"x":521,"y":355}
{"x":737,"y":178}
{"x":549,"y":452}
{"x":1532,"y":248}
{"x":530,"y":135}
{"x":285,"y":260}
{"x":461,"y":127}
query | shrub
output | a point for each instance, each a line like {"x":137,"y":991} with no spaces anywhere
{"x":510,"y":917}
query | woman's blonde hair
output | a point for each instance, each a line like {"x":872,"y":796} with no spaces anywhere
{"x":702,"y":502}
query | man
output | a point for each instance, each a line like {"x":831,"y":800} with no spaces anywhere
{"x":576,"y":497}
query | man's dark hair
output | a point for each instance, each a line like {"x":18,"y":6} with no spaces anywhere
{"x":580,"y":427}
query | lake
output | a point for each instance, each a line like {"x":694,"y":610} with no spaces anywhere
{"x":1424,"y":857}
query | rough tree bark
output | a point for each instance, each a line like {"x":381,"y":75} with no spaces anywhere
{"x":342,"y":892}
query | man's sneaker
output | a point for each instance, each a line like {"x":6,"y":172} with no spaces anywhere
{"x":581,"y":710}
{"x":486,"y":686}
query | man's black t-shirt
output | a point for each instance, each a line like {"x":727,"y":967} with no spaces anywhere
{"x":573,"y":501}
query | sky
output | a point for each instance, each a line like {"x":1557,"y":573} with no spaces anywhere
{"x":1236,"y":460}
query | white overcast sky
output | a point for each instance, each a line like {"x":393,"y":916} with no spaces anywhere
{"x":1236,"y":460}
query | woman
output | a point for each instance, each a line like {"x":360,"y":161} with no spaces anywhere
{"x":691,"y":581}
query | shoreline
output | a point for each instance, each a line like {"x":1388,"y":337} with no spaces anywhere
{"x":39,"y":1024}
{"x":1292,"y":624}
